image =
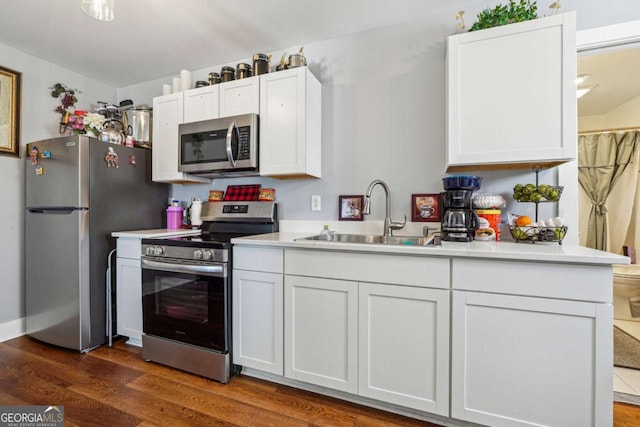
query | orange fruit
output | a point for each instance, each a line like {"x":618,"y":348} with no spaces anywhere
{"x":523,"y":220}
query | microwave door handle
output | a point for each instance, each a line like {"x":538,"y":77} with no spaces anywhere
{"x":232,"y":127}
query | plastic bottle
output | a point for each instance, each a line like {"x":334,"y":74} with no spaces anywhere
{"x":326,"y":234}
{"x":174,"y":217}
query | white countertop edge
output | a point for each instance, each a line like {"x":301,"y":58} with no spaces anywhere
{"x":155,"y":233}
{"x":541,"y":251}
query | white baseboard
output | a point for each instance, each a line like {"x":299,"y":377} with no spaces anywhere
{"x":12,"y":329}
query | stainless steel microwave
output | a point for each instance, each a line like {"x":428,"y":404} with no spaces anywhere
{"x":227,"y":146}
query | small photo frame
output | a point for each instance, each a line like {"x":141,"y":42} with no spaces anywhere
{"x":425,"y":207}
{"x":351,"y":208}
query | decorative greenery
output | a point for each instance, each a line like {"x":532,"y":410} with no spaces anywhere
{"x":67,"y":97}
{"x":526,"y":10}
{"x":503,"y":15}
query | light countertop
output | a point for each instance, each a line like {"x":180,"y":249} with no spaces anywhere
{"x":540,"y":251}
{"x":155,"y":233}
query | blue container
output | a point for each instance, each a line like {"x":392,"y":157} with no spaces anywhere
{"x":462,"y":182}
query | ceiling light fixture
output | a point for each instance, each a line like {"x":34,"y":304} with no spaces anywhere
{"x":99,"y":9}
{"x":580,"y":92}
{"x":581,"y":79}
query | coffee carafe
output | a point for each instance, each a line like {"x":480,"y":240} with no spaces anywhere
{"x":459,"y":221}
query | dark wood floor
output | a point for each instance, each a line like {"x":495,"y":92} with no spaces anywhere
{"x":115,"y":387}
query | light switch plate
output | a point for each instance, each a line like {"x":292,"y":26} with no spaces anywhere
{"x":315,"y":203}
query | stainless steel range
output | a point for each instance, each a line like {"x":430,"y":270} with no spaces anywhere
{"x":186,"y":290}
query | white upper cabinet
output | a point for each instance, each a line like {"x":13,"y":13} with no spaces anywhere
{"x":512,"y":96}
{"x":201,"y":104}
{"x":288,"y":102}
{"x":290,"y":124}
{"x":167,"y":116}
{"x":240,"y":97}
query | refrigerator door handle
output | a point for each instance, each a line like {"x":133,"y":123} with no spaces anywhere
{"x":57,"y":210}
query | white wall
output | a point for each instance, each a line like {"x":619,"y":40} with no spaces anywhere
{"x":383,"y":117}
{"x":625,"y":115}
{"x":38,"y":121}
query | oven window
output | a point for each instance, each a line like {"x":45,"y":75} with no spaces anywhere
{"x":189,"y":308}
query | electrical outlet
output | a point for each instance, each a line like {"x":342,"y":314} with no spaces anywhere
{"x":315,"y":203}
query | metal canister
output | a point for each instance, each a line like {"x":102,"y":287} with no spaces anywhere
{"x":260,"y":64}
{"x":213,"y":78}
{"x":227,"y":74}
{"x":243,"y":71}
{"x":201,"y":83}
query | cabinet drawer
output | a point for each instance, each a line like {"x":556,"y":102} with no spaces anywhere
{"x":548,"y":280}
{"x":129,"y":248}
{"x":375,"y":268}
{"x":269,"y":260}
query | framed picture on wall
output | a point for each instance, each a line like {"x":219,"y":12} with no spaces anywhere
{"x":425,"y":207}
{"x":351,"y":208}
{"x":10,"y":82}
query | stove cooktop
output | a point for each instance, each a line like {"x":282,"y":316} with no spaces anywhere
{"x":214,"y":240}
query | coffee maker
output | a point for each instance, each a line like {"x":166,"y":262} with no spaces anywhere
{"x":459,"y":221}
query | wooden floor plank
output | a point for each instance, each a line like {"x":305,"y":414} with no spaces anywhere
{"x":116,"y":387}
{"x":226,"y":408}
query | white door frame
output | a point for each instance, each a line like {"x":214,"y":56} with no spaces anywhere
{"x":609,"y":36}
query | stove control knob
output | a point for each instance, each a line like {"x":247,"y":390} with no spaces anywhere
{"x":207,"y":255}
{"x":159,"y":250}
{"x":197,"y":254}
{"x":150,"y":250}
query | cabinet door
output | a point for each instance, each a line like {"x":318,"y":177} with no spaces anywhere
{"x":201,"y":104}
{"x":129,"y":299}
{"x":511,"y":94}
{"x":522,"y":361}
{"x":290,"y":134}
{"x":404,"y":346}
{"x":321,"y":332}
{"x":167,"y":115}
{"x":258,"y":320}
{"x":240,"y":96}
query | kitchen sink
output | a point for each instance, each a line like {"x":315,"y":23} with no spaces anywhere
{"x":374,"y":239}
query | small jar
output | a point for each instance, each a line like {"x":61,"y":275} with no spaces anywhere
{"x":201,"y":83}
{"x":213,"y":78}
{"x":260,"y":64}
{"x":227,"y":74}
{"x":243,"y":71}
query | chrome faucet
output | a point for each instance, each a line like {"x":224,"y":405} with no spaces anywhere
{"x":389,"y":225}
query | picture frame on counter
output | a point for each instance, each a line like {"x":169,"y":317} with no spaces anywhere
{"x":426,"y":207}
{"x":10,"y":85}
{"x":351,"y":208}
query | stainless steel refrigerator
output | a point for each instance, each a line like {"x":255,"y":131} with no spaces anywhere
{"x":78,"y":191}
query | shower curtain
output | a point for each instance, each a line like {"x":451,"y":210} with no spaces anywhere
{"x":609,"y":189}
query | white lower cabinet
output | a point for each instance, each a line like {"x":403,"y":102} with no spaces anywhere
{"x":258,"y":320}
{"x":257,"y":308}
{"x":523,"y":361}
{"x":321,"y":332}
{"x":530,"y":344}
{"x":404,"y":346}
{"x":129,"y":290}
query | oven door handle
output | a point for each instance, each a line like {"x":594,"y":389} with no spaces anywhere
{"x":209,"y":270}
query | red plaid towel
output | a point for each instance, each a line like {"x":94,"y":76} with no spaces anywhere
{"x":242,"y":192}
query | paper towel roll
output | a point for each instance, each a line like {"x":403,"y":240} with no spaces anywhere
{"x":185,"y":79}
{"x":166,"y":89}
{"x":176,"y":84}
